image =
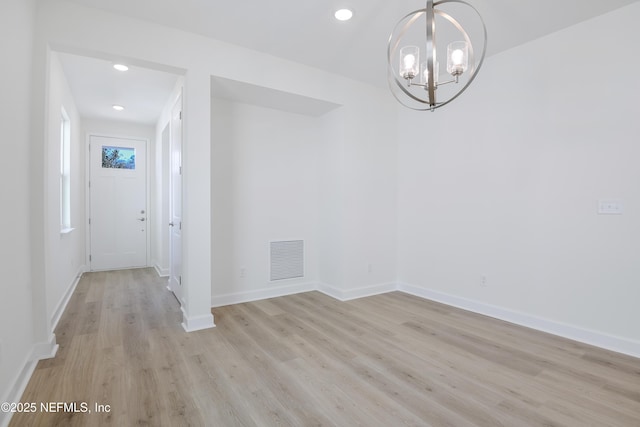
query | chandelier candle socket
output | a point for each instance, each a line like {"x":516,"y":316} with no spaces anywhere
{"x":461,"y":64}
{"x":424,"y":77}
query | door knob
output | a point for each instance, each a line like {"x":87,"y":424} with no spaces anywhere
{"x":170,"y":224}
{"x":141,"y":219}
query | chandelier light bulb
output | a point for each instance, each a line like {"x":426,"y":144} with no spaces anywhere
{"x":457,"y":56}
{"x":409,"y":61}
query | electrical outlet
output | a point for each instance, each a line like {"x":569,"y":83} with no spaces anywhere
{"x":369,"y":268}
{"x":483,"y":281}
{"x":243,"y":272}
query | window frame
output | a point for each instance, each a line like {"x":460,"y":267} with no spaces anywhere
{"x":65,"y":173}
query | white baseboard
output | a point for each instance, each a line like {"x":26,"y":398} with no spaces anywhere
{"x":598,"y":339}
{"x":19,"y":385}
{"x":350,"y":294}
{"x":39,"y":351}
{"x":62,"y":304}
{"x":196,"y":323}
{"x":248,"y":296}
{"x":44,"y":350}
{"x":162,"y":272}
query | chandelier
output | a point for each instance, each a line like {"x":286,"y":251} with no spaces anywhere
{"x":419,"y":85}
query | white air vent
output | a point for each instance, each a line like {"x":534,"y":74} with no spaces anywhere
{"x":287,"y":259}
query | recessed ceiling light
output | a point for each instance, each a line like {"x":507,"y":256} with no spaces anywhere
{"x":118,"y":107}
{"x":120,"y":67}
{"x":343,"y":14}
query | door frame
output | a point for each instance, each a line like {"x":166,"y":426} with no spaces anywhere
{"x":87,"y":189}
{"x":176,"y":288}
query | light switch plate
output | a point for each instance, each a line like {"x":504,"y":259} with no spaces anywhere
{"x":609,"y":207}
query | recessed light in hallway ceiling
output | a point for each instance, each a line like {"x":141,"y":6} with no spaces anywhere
{"x":343,"y":14}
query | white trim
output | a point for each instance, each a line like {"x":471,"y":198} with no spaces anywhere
{"x":87,"y":200}
{"x":87,"y":177}
{"x":44,"y":350}
{"x":39,"y":351}
{"x":273,"y":292}
{"x":586,"y":336}
{"x":350,"y":294}
{"x":197,"y":323}
{"x":606,"y":341}
{"x":16,"y":391}
{"x":162,"y":272}
{"x":64,"y":300}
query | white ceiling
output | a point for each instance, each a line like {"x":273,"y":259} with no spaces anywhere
{"x":96,"y":86}
{"x":306,"y":32}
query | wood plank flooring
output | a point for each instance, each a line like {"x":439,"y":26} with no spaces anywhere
{"x":309,"y":360}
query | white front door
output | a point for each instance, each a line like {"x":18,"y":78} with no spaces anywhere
{"x":118,"y":203}
{"x":175,"y":202}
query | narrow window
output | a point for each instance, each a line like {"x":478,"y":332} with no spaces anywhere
{"x":65,"y":172}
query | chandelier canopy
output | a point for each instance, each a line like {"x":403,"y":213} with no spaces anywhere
{"x":419,"y":85}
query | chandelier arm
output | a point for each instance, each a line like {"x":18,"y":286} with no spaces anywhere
{"x":406,"y":92}
{"x":401,"y":101}
{"x":430,"y":51}
{"x":484,"y":50}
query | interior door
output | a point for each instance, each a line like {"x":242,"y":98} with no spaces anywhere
{"x":118,"y":199}
{"x":175,"y":202}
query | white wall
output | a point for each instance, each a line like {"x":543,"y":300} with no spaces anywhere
{"x":118,"y":129}
{"x":264,"y":187}
{"x":358,"y":196}
{"x":16,"y":328}
{"x":330,"y":180}
{"x":504,"y":183}
{"x":65,"y":253}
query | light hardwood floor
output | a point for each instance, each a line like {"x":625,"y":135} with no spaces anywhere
{"x":309,"y":360}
